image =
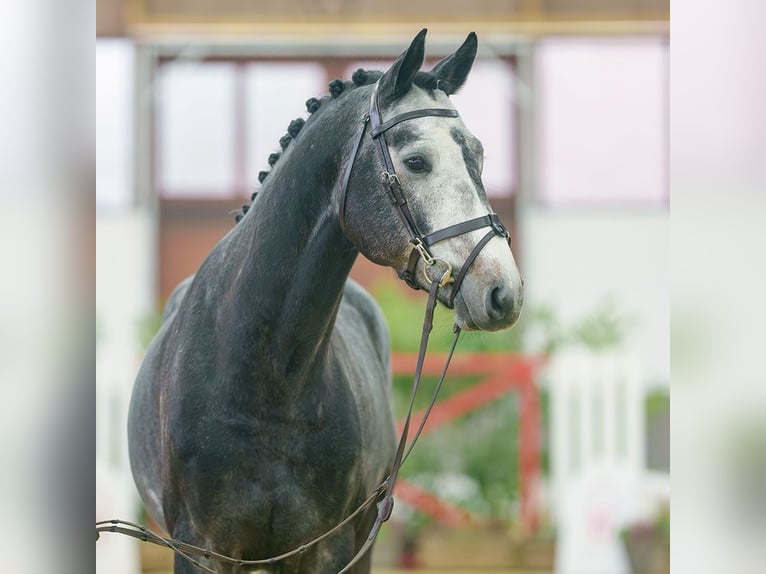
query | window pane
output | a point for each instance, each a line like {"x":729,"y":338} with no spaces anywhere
{"x":195,"y":129}
{"x":276,"y":94}
{"x":487,"y":106}
{"x":114,"y":123}
{"x":602,"y":121}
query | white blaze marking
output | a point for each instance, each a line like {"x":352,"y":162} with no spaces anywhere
{"x":447,"y":195}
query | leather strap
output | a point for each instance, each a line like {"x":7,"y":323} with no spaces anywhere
{"x":384,"y":506}
{"x":408,"y":275}
{"x":394,"y":186}
{"x":188,"y":551}
{"x":349,"y":168}
{"x":467,"y":264}
{"x":441,"y":112}
{"x":438,"y":387}
{"x":489,"y":220}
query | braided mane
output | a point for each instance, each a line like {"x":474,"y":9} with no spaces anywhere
{"x":336,"y":87}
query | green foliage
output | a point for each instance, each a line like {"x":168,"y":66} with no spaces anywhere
{"x":657,"y":402}
{"x":605,"y":326}
{"x":147,"y":327}
{"x":479,"y":452}
{"x":745,"y":446}
{"x":550,"y":333}
{"x":404,"y":314}
{"x":663,"y":523}
{"x":472,"y":462}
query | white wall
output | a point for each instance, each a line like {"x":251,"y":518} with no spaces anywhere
{"x":574,"y":257}
{"x":125,"y":279}
{"x":115,"y":118}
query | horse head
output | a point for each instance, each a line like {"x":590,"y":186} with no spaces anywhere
{"x":434,"y":168}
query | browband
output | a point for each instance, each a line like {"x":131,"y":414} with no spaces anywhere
{"x":443,"y":112}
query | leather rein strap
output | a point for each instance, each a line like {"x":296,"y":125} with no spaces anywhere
{"x":194,"y":554}
{"x":386,"y":504}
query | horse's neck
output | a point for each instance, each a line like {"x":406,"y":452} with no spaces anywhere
{"x":293,"y":264}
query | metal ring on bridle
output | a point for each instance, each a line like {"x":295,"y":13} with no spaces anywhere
{"x":429,"y":261}
{"x":446,"y":277}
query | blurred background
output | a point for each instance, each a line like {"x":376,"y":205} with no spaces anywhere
{"x":550,"y":452}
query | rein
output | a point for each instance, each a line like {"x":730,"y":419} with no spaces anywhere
{"x":420,"y":249}
{"x":384,"y":506}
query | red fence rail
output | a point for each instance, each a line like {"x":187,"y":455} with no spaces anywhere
{"x":502,"y":374}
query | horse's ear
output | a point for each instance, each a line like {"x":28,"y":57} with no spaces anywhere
{"x":455,"y":67}
{"x":399,"y":77}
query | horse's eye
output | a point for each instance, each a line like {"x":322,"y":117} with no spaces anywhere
{"x":416,"y":163}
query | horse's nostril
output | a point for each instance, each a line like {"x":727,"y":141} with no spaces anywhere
{"x":500,"y":302}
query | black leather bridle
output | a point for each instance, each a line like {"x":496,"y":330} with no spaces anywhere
{"x":421,"y":244}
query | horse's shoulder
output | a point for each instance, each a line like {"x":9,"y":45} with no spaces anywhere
{"x":176,"y":297}
{"x":356,"y":296}
{"x":356,"y":300}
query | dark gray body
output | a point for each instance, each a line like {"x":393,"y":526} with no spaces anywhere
{"x":243,"y":462}
{"x":262,"y":414}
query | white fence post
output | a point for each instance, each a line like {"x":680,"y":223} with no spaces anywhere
{"x":597,"y":457}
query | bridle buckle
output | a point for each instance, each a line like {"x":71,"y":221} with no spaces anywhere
{"x":418,"y":245}
{"x":498,"y":226}
{"x":392,"y":179}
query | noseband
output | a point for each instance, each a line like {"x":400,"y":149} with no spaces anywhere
{"x":420,"y":244}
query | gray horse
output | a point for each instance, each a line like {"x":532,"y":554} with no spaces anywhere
{"x":262,"y":414}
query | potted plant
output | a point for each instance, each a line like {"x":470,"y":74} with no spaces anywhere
{"x":648,"y":544}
